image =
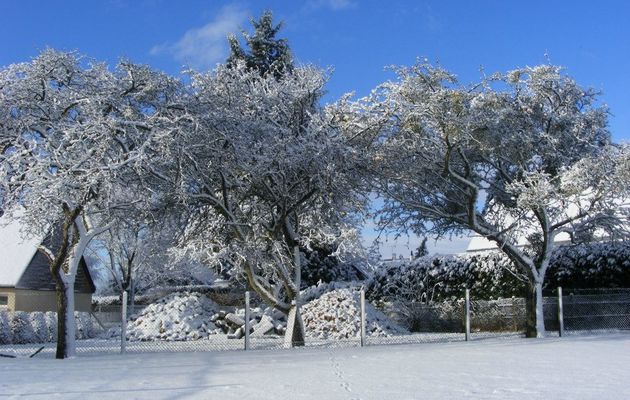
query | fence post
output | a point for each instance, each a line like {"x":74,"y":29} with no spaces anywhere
{"x":123,"y":323}
{"x":560,"y":313}
{"x":362,"y":317}
{"x":467,"y":314}
{"x":247,"y":318}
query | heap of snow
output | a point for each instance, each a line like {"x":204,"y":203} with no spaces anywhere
{"x":178,"y":316}
{"x":193,"y":316}
{"x":337,"y":315}
{"x":315,"y":291}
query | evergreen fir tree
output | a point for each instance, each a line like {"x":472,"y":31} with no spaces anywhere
{"x":422,"y":250}
{"x":263,"y":51}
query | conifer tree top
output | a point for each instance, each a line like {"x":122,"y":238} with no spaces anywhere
{"x":263,"y":51}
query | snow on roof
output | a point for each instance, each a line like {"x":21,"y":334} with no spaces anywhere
{"x":15,"y":251}
{"x":480,"y":243}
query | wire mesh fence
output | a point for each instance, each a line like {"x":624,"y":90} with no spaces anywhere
{"x":342,"y":319}
{"x":596,"y":310}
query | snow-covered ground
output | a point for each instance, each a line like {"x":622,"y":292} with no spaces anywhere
{"x":588,"y":367}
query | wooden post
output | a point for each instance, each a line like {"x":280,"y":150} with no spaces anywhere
{"x":247,"y":318}
{"x":467,"y":314}
{"x":132,"y":296}
{"x":123,"y":323}
{"x":363,"y":317}
{"x":560,"y":313}
{"x":297,"y":260}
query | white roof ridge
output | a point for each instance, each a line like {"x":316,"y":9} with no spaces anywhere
{"x":16,"y":249}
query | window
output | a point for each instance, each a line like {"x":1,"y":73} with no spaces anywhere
{"x":4,"y":300}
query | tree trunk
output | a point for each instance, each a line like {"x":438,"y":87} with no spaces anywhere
{"x":66,"y":346}
{"x":535,"y":325}
{"x":295,"y":335}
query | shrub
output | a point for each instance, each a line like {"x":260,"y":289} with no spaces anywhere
{"x":21,"y":328}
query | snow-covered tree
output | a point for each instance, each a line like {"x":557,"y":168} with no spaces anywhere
{"x":262,"y":171}
{"x":137,"y":256}
{"x":72,"y":134}
{"x":518,"y":158}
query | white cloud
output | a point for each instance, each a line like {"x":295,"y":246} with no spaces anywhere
{"x":205,"y":46}
{"x":334,"y":5}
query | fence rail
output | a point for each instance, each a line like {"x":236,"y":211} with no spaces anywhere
{"x":393,"y":322}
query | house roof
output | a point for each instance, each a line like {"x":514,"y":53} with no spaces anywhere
{"x":22,"y":266}
{"x":16,"y":251}
{"x":480,"y":243}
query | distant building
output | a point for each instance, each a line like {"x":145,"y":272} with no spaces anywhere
{"x":26,"y":283}
{"x":479,"y":243}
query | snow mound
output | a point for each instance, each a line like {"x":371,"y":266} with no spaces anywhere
{"x":193,"y":316}
{"x":178,"y":316}
{"x":337,"y":315}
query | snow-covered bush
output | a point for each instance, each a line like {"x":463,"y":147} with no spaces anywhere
{"x":51,"y":324}
{"x":323,"y":266}
{"x":85,"y":326}
{"x":444,"y":316}
{"x":40,"y":328}
{"x":5,"y":328}
{"x":337,"y":315}
{"x":21,"y":328}
{"x":587,"y":266}
{"x":428,"y":279}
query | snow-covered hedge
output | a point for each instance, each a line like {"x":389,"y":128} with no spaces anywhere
{"x":490,"y":275}
{"x":587,"y":266}
{"x":41,"y":327}
{"x":322,"y":266}
{"x":428,"y":279}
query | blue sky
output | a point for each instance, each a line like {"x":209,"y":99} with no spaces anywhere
{"x":356,"y":38}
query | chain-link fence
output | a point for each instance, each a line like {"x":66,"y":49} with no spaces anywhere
{"x":340,"y":318}
{"x":596,"y":310}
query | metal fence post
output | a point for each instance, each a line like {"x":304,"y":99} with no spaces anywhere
{"x":560,"y":313}
{"x":467,"y":314}
{"x":123,"y":323}
{"x":362,"y":317}
{"x":247,"y":318}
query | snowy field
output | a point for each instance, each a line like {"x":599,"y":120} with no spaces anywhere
{"x":590,"y":367}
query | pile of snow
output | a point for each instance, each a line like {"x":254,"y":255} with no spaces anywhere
{"x":193,"y":316}
{"x":266,"y":321}
{"x":315,"y":291}
{"x":178,"y":316}
{"x":21,"y":327}
{"x":337,"y":315}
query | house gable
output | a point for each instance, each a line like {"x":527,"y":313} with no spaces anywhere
{"x":22,"y":266}
{"x":16,"y":251}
